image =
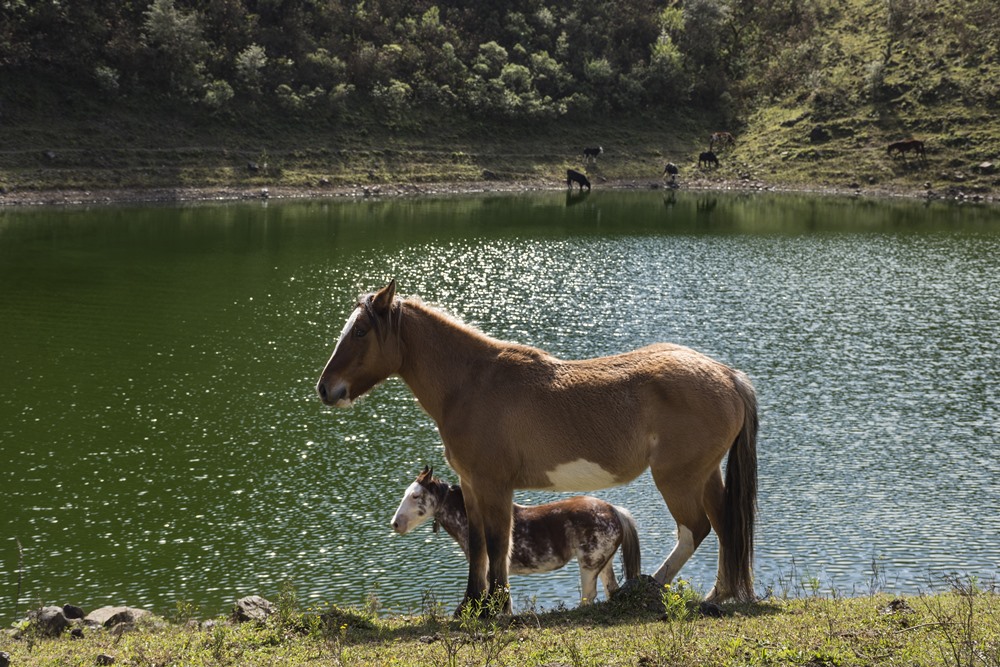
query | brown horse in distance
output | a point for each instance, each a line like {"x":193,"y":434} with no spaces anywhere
{"x":907,"y":146}
{"x":515,"y":417}
{"x":721,"y":139}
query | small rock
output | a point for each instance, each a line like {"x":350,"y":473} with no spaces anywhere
{"x":72,"y":611}
{"x":819,"y":134}
{"x":986,"y":168}
{"x":710,"y":609}
{"x":76,"y":633}
{"x":108,"y":617}
{"x":4,"y":659}
{"x":897,"y":606}
{"x":105,"y":659}
{"x":50,"y":621}
{"x":251,"y":608}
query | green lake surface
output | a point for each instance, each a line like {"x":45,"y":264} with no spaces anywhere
{"x":161,"y":438}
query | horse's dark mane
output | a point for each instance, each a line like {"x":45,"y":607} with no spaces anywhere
{"x":509,"y":348}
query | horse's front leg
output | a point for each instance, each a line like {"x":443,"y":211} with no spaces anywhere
{"x":478,"y":558}
{"x":490,"y":523}
{"x":498,"y":522}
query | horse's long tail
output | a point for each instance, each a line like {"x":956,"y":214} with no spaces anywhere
{"x":631,"y":555}
{"x":741,"y":498}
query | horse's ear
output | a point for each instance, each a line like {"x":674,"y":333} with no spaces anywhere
{"x":382,"y":301}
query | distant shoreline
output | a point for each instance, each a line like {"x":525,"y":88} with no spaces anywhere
{"x":160,"y":195}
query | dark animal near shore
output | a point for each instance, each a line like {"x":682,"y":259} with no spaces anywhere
{"x":590,"y":154}
{"x":671,"y":169}
{"x":516,"y":417}
{"x":545,"y":537}
{"x":907,"y":146}
{"x":573,"y":176}
{"x":708,"y":158}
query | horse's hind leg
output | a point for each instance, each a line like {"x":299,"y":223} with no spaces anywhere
{"x":714,"y":498}
{"x":588,"y":584}
{"x":684,"y":501}
{"x":608,"y":578}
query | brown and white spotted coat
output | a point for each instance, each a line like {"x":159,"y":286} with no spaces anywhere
{"x":545,"y":537}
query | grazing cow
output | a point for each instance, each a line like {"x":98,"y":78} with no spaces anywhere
{"x":722,"y":139}
{"x":708,"y":158}
{"x":590,"y":154}
{"x":905,"y":146}
{"x":671,"y":169}
{"x":573,"y":176}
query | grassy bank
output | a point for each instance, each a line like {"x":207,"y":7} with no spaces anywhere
{"x":960,"y":627}
{"x":133,"y":151}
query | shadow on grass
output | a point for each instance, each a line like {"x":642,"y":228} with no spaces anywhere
{"x":631,"y":605}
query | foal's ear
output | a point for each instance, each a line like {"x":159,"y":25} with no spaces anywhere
{"x":382,"y":300}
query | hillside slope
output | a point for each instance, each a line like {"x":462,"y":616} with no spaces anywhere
{"x":813,"y":100}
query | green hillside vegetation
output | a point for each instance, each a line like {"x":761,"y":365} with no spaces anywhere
{"x":310,"y":93}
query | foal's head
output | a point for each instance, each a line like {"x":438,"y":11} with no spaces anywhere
{"x":367,"y":351}
{"x":421,"y":502}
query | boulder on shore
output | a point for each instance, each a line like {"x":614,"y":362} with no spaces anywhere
{"x":251,"y":608}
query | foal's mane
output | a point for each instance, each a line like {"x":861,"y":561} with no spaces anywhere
{"x":440,"y":489}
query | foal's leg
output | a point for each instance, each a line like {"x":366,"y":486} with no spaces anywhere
{"x":608,"y":578}
{"x":684,"y":500}
{"x":588,"y":584}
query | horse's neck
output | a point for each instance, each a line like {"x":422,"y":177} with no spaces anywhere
{"x":439,"y":353}
{"x":452,"y":517}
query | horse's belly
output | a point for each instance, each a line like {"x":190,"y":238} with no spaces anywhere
{"x":536,"y":564}
{"x":582,"y":475}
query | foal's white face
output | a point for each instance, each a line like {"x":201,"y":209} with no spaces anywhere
{"x":418,"y":506}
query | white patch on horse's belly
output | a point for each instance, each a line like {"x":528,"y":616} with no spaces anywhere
{"x":579,"y":475}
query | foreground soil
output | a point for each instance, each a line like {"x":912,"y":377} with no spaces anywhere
{"x":960,"y":627}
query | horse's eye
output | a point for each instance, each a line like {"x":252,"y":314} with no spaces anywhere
{"x":359,"y":332}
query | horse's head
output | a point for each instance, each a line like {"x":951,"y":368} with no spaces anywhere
{"x":420,"y":502}
{"x":367,"y":351}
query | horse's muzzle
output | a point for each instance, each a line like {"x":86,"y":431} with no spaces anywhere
{"x":336,"y":396}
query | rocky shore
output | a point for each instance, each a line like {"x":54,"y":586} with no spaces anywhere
{"x":71,"y":197}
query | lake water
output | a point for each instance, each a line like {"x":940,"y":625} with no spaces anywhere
{"x":161,"y":439}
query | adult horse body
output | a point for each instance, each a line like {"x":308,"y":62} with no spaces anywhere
{"x":545,"y":537}
{"x":514,"y":417}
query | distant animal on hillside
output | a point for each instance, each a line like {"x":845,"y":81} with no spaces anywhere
{"x":590,"y":154}
{"x":708,"y":158}
{"x":721,"y":139}
{"x":905,"y":146}
{"x":573,"y":176}
{"x":671,"y":169}
{"x":544,"y":537}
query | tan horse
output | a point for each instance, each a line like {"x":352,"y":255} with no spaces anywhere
{"x":514,"y":417}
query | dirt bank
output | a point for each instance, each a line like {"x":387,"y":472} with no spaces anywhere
{"x":69,"y":197}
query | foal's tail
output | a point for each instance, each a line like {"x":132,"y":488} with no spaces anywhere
{"x":741,"y":498}
{"x":631,"y":556}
